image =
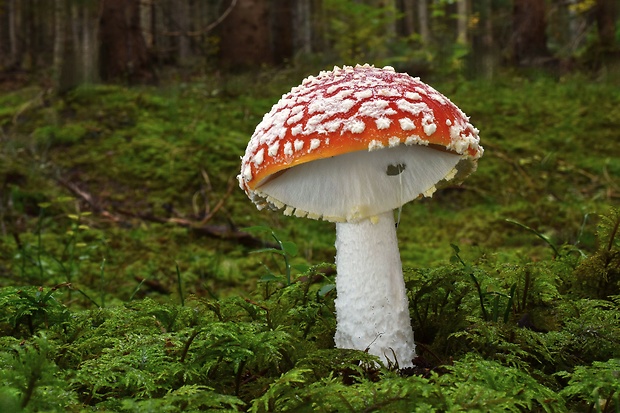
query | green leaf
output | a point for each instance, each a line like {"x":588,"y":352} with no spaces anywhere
{"x":302,"y":268}
{"x":64,"y":199}
{"x":326,"y":289}
{"x":273,"y":250}
{"x":537,"y":233}
{"x":270,"y":278}
{"x":455,"y":248}
{"x":289,"y":248}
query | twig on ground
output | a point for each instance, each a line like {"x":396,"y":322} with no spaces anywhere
{"x":223,"y":232}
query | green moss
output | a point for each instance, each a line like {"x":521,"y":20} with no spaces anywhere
{"x":118,"y":294}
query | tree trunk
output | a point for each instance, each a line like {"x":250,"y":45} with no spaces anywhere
{"x":147,"y":17}
{"x":29,"y":34}
{"x":15,"y":43}
{"x":67,"y":43}
{"x":606,"y":15}
{"x":245,"y":40}
{"x":68,"y":28}
{"x":409,"y":17}
{"x":122,"y":50}
{"x":282,"y":30}
{"x":182,"y":22}
{"x":390,"y":17}
{"x":425,"y":33}
{"x":302,"y":26}
{"x":60,"y":18}
{"x":76,"y":26}
{"x":462,"y":11}
{"x":576,"y":27}
{"x":488,"y":60}
{"x":318,"y":23}
{"x":4,"y":35}
{"x":529,"y":38}
{"x":89,"y":34}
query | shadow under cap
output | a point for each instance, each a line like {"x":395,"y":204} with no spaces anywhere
{"x":362,"y":184}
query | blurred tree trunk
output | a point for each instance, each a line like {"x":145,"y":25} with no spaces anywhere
{"x":60,"y":19}
{"x":163,"y":42}
{"x":302,"y":23}
{"x":408,"y":7}
{"x":529,"y":38}
{"x":319,"y":26}
{"x":29,"y":34}
{"x":488,"y":51}
{"x":390,"y":16}
{"x":425,"y":32}
{"x":245,"y":37}
{"x":89,"y":46}
{"x":575,"y":29}
{"x":462,"y":11}
{"x":123,"y":53}
{"x":67,"y":45}
{"x":4,"y":34}
{"x":182,"y":20}
{"x":147,"y":20}
{"x":15,"y":43}
{"x":71,"y":54}
{"x":606,"y":15}
{"x":75,"y":25}
{"x":282,"y":30}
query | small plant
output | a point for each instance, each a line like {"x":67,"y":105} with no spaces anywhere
{"x":489,"y":298}
{"x":47,"y":261}
{"x":597,"y":385}
{"x":33,"y":308}
{"x":287,"y":249}
{"x":30,"y":379}
{"x":598,"y":276}
{"x":543,"y":237}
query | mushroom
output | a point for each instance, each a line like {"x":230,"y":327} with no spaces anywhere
{"x":350,"y":146}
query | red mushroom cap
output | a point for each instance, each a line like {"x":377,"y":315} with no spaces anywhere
{"x":353,"y":109}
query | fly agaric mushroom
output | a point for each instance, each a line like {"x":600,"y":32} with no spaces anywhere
{"x":350,"y":146}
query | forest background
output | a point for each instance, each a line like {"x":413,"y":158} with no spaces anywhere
{"x":77,"y":41}
{"x":136,"y":276}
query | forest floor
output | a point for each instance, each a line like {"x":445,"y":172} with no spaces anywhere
{"x":136,"y":276}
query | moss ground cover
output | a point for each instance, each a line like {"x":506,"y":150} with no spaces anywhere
{"x":136,"y":276}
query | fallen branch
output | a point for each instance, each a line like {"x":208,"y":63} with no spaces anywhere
{"x":222,"y":232}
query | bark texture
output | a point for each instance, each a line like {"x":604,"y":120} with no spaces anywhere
{"x":529,"y":38}
{"x":606,"y":15}
{"x":122,"y":53}
{"x":245,"y":35}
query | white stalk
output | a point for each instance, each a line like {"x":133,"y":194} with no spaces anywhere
{"x":372,"y":309}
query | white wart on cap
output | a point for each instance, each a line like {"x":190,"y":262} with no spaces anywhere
{"x":355,"y":142}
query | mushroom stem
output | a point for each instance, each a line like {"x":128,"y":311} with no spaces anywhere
{"x":372,"y":309}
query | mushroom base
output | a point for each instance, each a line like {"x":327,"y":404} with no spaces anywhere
{"x":372,"y":309}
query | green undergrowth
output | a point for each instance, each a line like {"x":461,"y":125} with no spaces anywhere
{"x":491,"y":337}
{"x":136,"y":276}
